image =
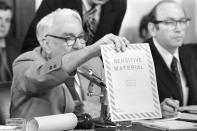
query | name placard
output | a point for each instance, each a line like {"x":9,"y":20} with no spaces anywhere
{"x":131,"y":83}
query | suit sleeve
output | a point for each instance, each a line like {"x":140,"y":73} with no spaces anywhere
{"x":120,"y":7}
{"x":36,"y":74}
{"x":30,"y":40}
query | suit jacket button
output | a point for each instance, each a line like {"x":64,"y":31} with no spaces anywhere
{"x":54,"y":66}
{"x":51,"y":67}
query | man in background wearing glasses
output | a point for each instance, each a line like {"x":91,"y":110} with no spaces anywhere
{"x":38,"y":87}
{"x":174,"y":62}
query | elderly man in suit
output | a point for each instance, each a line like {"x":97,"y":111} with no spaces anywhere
{"x":174,"y":62}
{"x":99,"y":17}
{"x":39,"y":87}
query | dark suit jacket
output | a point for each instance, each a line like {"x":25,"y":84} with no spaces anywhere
{"x":167,"y":87}
{"x":13,"y":48}
{"x":112,"y":14}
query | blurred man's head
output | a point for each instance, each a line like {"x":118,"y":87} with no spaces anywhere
{"x":143,"y":28}
{"x":60,"y":32}
{"x":167,"y":25}
{"x":5,"y":19}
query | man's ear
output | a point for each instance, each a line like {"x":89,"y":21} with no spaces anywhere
{"x":152,"y":29}
{"x":45,"y":46}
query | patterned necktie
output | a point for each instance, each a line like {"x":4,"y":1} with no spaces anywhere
{"x":71,"y":87}
{"x":175,"y":73}
{"x":78,"y":103}
{"x":90,"y":25}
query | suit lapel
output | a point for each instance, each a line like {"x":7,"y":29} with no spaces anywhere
{"x":187,"y":60}
{"x":9,"y":58}
{"x":163,"y":74}
{"x":106,"y":21}
{"x":11,"y":52}
{"x":78,"y":4}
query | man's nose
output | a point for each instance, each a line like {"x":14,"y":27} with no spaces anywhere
{"x":78,"y":44}
{"x":179,"y":27}
{"x":2,"y":23}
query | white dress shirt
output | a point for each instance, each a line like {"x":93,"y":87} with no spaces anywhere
{"x":78,"y":87}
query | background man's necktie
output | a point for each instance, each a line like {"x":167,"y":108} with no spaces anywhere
{"x":175,"y":73}
{"x":90,"y":25}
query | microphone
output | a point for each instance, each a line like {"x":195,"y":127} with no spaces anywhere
{"x":84,"y":121}
{"x":90,"y":75}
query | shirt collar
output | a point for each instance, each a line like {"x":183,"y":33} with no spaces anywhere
{"x":167,"y":56}
{"x":2,"y":44}
{"x":77,"y":79}
{"x":86,"y":5}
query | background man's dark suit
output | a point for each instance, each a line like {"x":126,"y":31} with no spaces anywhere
{"x":166,"y":84}
{"x":12,"y":48}
{"x":112,"y":14}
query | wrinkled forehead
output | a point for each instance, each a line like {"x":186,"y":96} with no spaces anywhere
{"x":169,"y":10}
{"x":66,"y":24}
{"x":65,"y":19}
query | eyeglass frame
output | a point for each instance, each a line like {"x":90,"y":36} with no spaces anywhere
{"x":174,"y":23}
{"x":66,"y":39}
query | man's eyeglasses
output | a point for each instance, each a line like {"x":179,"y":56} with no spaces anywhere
{"x":70,"y":40}
{"x":184,"y":22}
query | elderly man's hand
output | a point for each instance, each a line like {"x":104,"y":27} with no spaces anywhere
{"x":169,"y":107}
{"x":120,"y":43}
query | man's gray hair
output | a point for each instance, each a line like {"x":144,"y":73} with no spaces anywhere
{"x":46,"y":22}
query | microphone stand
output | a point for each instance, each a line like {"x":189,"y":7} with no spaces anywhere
{"x":94,"y":79}
{"x":102,"y":100}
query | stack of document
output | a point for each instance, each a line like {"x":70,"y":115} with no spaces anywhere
{"x":189,"y":109}
{"x":165,"y":125}
{"x":186,"y":120}
{"x":8,"y":128}
{"x":188,"y":113}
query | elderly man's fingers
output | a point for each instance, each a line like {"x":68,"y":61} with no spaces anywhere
{"x":125,"y":41}
{"x":124,"y":45}
{"x":108,"y":41}
{"x":119,"y":42}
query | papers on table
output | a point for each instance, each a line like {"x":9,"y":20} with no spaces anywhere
{"x":188,"y":113}
{"x":189,"y":109}
{"x":131,"y":83}
{"x":7,"y":128}
{"x":169,"y":124}
{"x":183,"y":122}
{"x":187,"y":117}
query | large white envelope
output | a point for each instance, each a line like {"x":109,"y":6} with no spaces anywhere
{"x":131,"y":83}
